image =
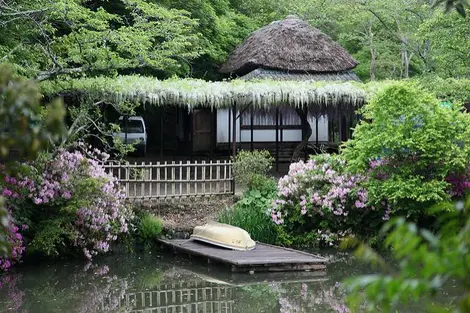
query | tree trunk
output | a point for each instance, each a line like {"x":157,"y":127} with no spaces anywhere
{"x":372,"y":64}
{"x":372,"y":53}
{"x":306,"y":133}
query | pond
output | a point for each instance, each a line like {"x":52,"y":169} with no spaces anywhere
{"x":160,"y":283}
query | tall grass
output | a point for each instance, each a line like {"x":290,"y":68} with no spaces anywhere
{"x":250,"y":212}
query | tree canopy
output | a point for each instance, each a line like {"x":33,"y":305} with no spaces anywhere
{"x":46,"y":39}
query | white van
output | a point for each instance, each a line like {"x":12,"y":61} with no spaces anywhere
{"x":136,"y":133}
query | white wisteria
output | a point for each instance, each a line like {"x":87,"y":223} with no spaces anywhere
{"x":192,"y":93}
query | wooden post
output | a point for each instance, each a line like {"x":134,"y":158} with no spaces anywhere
{"x":203,"y":174}
{"x":173,"y":177}
{"x":181,"y":178}
{"x":188,"y":178}
{"x":210,"y":176}
{"x":234,"y":130}
{"x":144,"y":180}
{"x":161,"y":133}
{"x":158,"y":179}
{"x":340,"y":128}
{"x":217,"y":176}
{"x":229,"y":131}
{"x":234,"y":138}
{"x":214,"y":132}
{"x":151,"y":181}
{"x":195,"y":178}
{"x":277,"y":139}
{"x":316,"y":130}
{"x":166,"y":179}
{"x":304,"y":131}
{"x":135,"y":179}
{"x":251,"y":129}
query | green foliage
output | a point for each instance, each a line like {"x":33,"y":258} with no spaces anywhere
{"x":250,"y":213}
{"x":24,"y":126}
{"x":73,"y":37}
{"x":88,"y":124}
{"x":247,"y":164}
{"x":408,"y":143}
{"x":150,"y":228}
{"x":449,"y":50}
{"x":391,"y":40}
{"x":426,"y":263}
{"x":52,"y":236}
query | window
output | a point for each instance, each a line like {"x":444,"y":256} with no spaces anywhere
{"x":133,"y":126}
{"x":288,"y":119}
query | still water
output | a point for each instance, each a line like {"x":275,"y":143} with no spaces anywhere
{"x":160,"y":283}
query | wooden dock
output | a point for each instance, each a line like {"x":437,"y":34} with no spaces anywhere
{"x":264,"y":258}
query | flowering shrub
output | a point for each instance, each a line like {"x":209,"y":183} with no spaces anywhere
{"x":459,"y":183}
{"x":69,"y":203}
{"x":319,"y":201}
{"x":15,"y":241}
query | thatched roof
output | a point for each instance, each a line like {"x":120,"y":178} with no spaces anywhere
{"x":289,"y":45}
{"x":192,"y":93}
{"x":261,"y":73}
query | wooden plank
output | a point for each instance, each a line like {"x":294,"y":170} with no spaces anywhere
{"x":181,"y":177}
{"x":158,"y":177}
{"x":173,"y":178}
{"x":188,"y":175}
{"x":135,"y":178}
{"x":166,"y":180}
{"x":211,"y":164}
{"x":203,"y":178}
{"x":195,"y":178}
{"x":144,"y":180}
{"x":150,"y":179}
{"x":217,"y":177}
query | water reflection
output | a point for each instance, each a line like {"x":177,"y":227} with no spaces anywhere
{"x":158,"y":284}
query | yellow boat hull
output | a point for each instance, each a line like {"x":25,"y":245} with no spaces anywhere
{"x":224,"y":235}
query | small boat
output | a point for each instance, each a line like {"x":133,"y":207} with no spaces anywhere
{"x":224,"y":235}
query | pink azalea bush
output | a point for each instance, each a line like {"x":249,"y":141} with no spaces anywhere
{"x":15,"y":241}
{"x":66,"y":202}
{"x":319,"y":201}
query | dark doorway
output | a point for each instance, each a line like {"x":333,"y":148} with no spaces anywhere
{"x":203,"y":128}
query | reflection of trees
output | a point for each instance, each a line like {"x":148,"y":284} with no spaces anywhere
{"x":309,"y":297}
{"x":256,"y":298}
{"x":89,"y":291}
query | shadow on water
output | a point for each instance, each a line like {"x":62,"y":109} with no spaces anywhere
{"x":159,"y":283}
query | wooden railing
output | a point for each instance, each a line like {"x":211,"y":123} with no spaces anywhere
{"x":173,"y":180}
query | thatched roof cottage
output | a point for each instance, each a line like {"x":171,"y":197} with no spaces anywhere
{"x":290,"y":49}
